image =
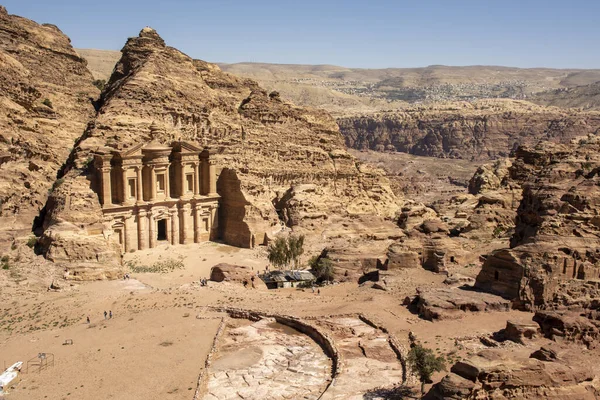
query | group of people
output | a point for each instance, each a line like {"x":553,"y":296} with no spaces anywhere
{"x":107,"y":315}
{"x":246,"y":282}
{"x":126,"y":276}
{"x":203,"y":282}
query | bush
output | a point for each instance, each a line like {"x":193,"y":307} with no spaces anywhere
{"x":56,"y":184}
{"x":424,"y":363}
{"x":99,"y":83}
{"x":322,"y":267}
{"x":161,"y":267}
{"x":31,"y":242}
{"x":47,"y":103}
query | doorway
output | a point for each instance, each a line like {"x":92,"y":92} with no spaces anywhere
{"x":162,"y":229}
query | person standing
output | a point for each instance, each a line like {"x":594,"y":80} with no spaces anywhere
{"x":88,"y":319}
{"x":110,"y":314}
{"x":105,"y":314}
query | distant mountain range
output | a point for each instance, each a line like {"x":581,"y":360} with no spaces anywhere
{"x":346,"y":91}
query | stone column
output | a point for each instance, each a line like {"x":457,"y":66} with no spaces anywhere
{"x":204,"y":188}
{"x":182,"y":180}
{"x":185,"y":221}
{"x":152,"y":230}
{"x":153,"y":183}
{"x":106,"y":189}
{"x":140,"y":186}
{"x":212,"y":177}
{"x":167,"y":184}
{"x":142,"y":232}
{"x":128,"y":233}
{"x":124,"y":188}
{"x":196,"y":180}
{"x":197,"y":222}
{"x":174,"y":226}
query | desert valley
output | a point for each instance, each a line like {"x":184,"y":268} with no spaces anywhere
{"x":174,"y":228}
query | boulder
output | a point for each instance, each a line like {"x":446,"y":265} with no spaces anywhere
{"x":459,"y":280}
{"x":451,"y":387}
{"x":544,"y":354}
{"x":451,"y":303}
{"x":231,"y":273}
{"x":518,"y":332}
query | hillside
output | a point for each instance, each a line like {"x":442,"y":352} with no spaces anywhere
{"x":42,"y":113}
{"x":346,"y":91}
{"x":586,"y":97}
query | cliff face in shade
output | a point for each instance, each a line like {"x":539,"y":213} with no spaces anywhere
{"x":263,"y":148}
{"x":483,"y":130}
{"x":45,"y":91}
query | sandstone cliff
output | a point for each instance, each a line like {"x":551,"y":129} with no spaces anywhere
{"x":553,"y":261}
{"x":481,"y":130}
{"x":45,"y":91}
{"x":264,"y":148}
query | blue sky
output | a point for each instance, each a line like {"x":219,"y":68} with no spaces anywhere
{"x":367,"y":34}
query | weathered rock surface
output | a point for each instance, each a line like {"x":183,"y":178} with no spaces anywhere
{"x":568,"y":326}
{"x":553,"y":261}
{"x":45,"y":104}
{"x":482,"y":130}
{"x":493,"y":375}
{"x":519,"y":332}
{"x":277,"y":164}
{"x":452,"y":303}
{"x":232,"y":273}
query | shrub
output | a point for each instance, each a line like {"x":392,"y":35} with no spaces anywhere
{"x":322,"y":267}
{"x":161,"y":267}
{"x":47,"y":103}
{"x":31,"y":242}
{"x":424,"y":363}
{"x":99,"y":83}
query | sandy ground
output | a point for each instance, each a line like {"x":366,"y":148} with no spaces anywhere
{"x":123,"y":358}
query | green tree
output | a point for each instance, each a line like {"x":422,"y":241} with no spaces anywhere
{"x":424,"y":363}
{"x":284,"y":251}
{"x":296,"y":249}
{"x":322,"y":267}
{"x":278,"y":253}
{"x":47,"y":103}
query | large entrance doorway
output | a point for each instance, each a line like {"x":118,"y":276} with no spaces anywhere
{"x":162,"y":229}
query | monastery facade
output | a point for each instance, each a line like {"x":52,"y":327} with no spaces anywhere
{"x":152,"y":192}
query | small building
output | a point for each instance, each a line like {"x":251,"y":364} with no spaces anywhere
{"x":286,"y":279}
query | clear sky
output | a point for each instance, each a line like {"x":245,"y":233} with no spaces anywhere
{"x":369,"y":33}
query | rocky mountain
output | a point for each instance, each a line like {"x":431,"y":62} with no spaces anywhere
{"x":45,"y":92}
{"x":278,"y":164}
{"x":480,"y":130}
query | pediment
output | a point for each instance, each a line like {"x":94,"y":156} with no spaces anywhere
{"x":133,"y":151}
{"x":186,"y":147}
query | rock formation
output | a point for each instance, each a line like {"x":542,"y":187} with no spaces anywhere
{"x":45,"y":104}
{"x":492,"y":375}
{"x":482,"y":130}
{"x":268,"y":153}
{"x":553,"y":258}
